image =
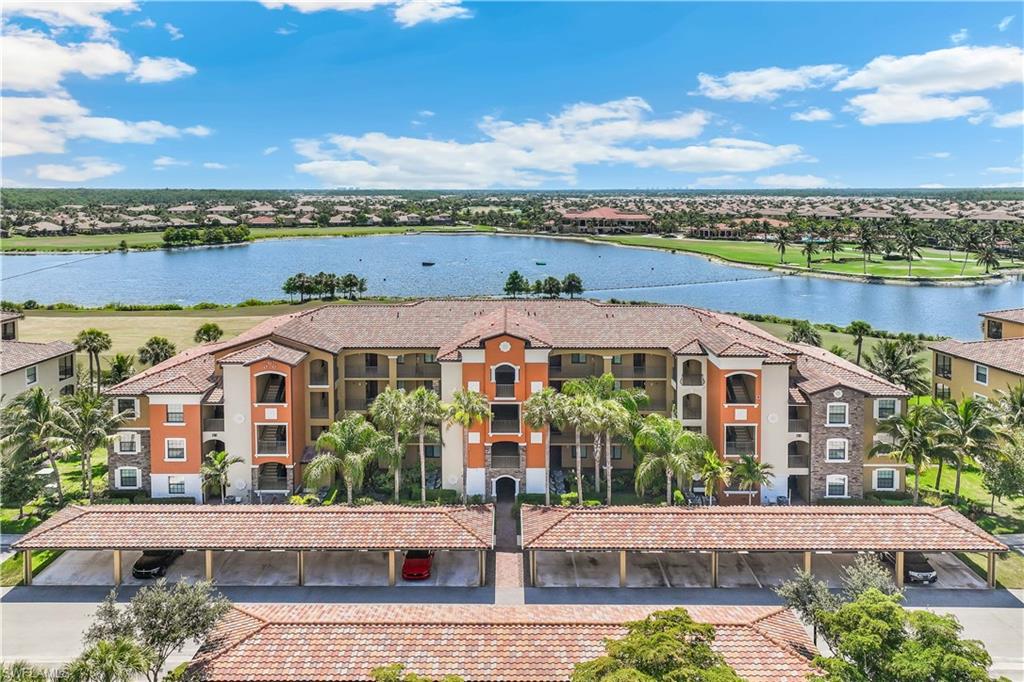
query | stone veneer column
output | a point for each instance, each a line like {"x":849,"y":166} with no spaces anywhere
{"x":139,"y":460}
{"x":821,"y":468}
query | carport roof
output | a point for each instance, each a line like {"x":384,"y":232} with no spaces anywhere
{"x":333,"y":642}
{"x":264,"y":527}
{"x":836,"y":529}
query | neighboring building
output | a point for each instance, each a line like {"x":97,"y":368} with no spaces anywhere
{"x":981,"y":368}
{"x":266,"y":395}
{"x":25,"y":365}
{"x":604,"y":220}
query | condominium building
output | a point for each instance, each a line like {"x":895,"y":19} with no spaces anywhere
{"x":981,"y":369}
{"x":266,"y":395}
{"x":25,"y":365}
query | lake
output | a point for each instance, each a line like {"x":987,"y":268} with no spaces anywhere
{"x":479,"y":264}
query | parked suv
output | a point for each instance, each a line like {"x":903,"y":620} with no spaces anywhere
{"x":916,"y":568}
{"x":154,"y":563}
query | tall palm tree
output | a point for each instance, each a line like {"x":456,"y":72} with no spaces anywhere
{"x":345,"y":448}
{"x":912,"y":440}
{"x":611,"y":419}
{"x":858,"y":329}
{"x":987,"y":257}
{"x":543,"y":409}
{"x":215,"y":469}
{"x":118,"y":660}
{"x":712,"y":471}
{"x":388,"y":413}
{"x":466,"y":409}
{"x":423,"y":410}
{"x":909,"y":240}
{"x":32,"y":423}
{"x":752,"y":474}
{"x":93,"y":342}
{"x":783,"y":238}
{"x":665,"y":449}
{"x":970,"y":240}
{"x":120,"y":367}
{"x":968,"y":431}
{"x":1011,"y":405}
{"x":809,"y":248}
{"x":803,"y":331}
{"x":897,"y":363}
{"x":834,"y":242}
{"x":576,"y":413}
{"x":867,"y":242}
{"x":156,"y":350}
{"x":87,"y":422}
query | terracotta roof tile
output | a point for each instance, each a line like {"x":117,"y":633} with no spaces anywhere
{"x":1008,"y":315}
{"x":268,"y":350}
{"x":15,"y":355}
{"x":1004,"y":354}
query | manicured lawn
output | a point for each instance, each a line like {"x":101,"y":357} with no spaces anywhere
{"x":71,"y":478}
{"x":1009,"y":514}
{"x":10,"y":570}
{"x":144,"y":240}
{"x":1009,"y":568}
{"x":934,"y":263}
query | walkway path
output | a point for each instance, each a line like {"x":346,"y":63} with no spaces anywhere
{"x":508,"y":560}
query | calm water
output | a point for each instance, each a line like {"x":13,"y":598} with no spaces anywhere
{"x":479,"y":264}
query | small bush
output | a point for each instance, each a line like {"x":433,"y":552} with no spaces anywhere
{"x":363,"y":501}
{"x":476,"y":499}
{"x":443,"y":495}
{"x":568,"y":499}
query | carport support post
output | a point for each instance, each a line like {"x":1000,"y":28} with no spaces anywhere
{"x":26,"y":566}
{"x":990,"y":574}
{"x":300,"y":565}
{"x":533,"y":568}
{"x":714,"y":569}
{"x":807,"y":562}
{"x":482,"y":570}
{"x":899,"y":570}
{"x":117,"y":567}
{"x":209,"y":565}
{"x":391,"y":568}
{"x":622,"y":568}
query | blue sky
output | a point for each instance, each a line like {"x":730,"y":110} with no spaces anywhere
{"x":437,"y":93}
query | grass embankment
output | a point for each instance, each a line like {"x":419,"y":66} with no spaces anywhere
{"x":10,"y":570}
{"x":934,"y":264}
{"x":71,"y":478}
{"x":154,"y":240}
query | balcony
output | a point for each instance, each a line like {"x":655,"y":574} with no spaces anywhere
{"x":504,"y":390}
{"x":319,"y":379}
{"x":799,"y":426}
{"x":419,"y":371}
{"x":213,"y":424}
{"x":798,"y":461}
{"x":356,"y":404}
{"x":319,"y":405}
{"x":504,"y":426}
{"x":504,"y":461}
{"x":271,"y":447}
{"x":693,"y":380}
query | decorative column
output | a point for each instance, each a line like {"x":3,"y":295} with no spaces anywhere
{"x":391,"y":568}
{"x":393,"y":371}
{"x":807,"y":562}
{"x":714,"y":569}
{"x":990,"y":574}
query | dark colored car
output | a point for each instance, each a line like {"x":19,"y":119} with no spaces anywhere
{"x":153,"y":563}
{"x":916,"y":567}
{"x":417,"y":564}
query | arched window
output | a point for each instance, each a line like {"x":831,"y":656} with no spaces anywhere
{"x":271,"y":388}
{"x":692,"y":406}
{"x":740,"y":389}
{"x":505,"y":374}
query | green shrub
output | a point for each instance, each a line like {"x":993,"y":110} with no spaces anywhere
{"x":443,"y":495}
{"x":476,"y":499}
{"x":530,"y":498}
{"x":363,"y":501}
{"x":568,"y":499}
{"x":592,"y":503}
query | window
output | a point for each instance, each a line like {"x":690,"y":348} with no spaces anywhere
{"x":981,"y":375}
{"x":128,"y":407}
{"x":400,"y":360}
{"x":837,"y":449}
{"x":31,"y":375}
{"x":885,"y":479}
{"x":994,"y":329}
{"x":555,"y":362}
{"x":175,"y":485}
{"x":584,"y":451}
{"x":127,"y":443}
{"x":835,"y":486}
{"x":616,"y":452}
{"x":66,"y":367}
{"x":980,"y":396}
{"x":127,"y":477}
{"x":942,"y":391}
{"x":429,"y":357}
{"x":943,"y":366}
{"x":837,"y":414}
{"x":9,"y":333}
{"x":175,"y":414}
{"x":579,"y":359}
{"x":431,"y":451}
{"x":174,"y":449}
{"x":67,"y":390}
{"x":370,"y":360}
{"x":886,"y":407}
{"x":740,"y":440}
{"x":616,"y":359}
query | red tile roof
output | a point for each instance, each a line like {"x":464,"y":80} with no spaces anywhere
{"x":16,"y":355}
{"x":1008,"y":315}
{"x":839,"y":529}
{"x":1004,"y":354}
{"x":334,"y":642}
{"x":604,"y":213}
{"x":268,"y":350}
{"x":264,"y":527}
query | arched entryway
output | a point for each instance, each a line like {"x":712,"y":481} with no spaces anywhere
{"x":505,"y":489}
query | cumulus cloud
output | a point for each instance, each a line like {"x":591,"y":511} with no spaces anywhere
{"x":160,"y":70}
{"x":173,"y":31}
{"x":1009,"y":120}
{"x":213,"y":165}
{"x":34,"y":62}
{"x":783,"y":181}
{"x":406,"y":13}
{"x":162,"y":162}
{"x":70,"y":14}
{"x":1005,"y":22}
{"x":926,"y":87}
{"x":530,"y":153}
{"x":146,"y":23}
{"x":959,"y":37}
{"x":720,"y":181}
{"x":768,"y":83}
{"x":812,"y":114}
{"x":85,"y":168}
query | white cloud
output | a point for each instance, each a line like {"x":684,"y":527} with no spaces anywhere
{"x":86,"y":168}
{"x":43,"y":125}
{"x":931,"y":185}
{"x":198,"y":131}
{"x":34,"y":62}
{"x":959,"y":37}
{"x":783,"y":181}
{"x":1005,"y":22}
{"x":1005,"y":169}
{"x":935,"y":155}
{"x":213,"y":165}
{"x":160,"y":70}
{"x":425,"y":113}
{"x":812,"y":114}
{"x":405,"y":12}
{"x":720,"y":181}
{"x":270,"y":150}
{"x":286,"y":30}
{"x":162,"y":162}
{"x":173,"y":31}
{"x":146,"y":23}
{"x":70,"y":14}
{"x":530,"y":153}
{"x":923,"y":87}
{"x":768,"y":83}
{"x":1009,"y":120}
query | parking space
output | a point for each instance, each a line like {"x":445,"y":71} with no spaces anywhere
{"x":953,"y":573}
{"x":449,"y":569}
{"x":79,"y":568}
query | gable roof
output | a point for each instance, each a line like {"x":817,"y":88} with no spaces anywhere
{"x":1007,"y":315}
{"x":15,"y":355}
{"x":267,"y":350}
{"x":1004,"y":354}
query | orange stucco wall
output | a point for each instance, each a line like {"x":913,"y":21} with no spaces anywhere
{"x":291,"y":413}
{"x":191,"y":431}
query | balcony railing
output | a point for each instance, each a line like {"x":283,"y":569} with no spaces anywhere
{"x":319,"y":379}
{"x":213,"y":424}
{"x":318,"y":412}
{"x":504,"y":390}
{"x":798,"y":426}
{"x":799,"y":461}
{"x":272,"y":483}
{"x":504,"y":426}
{"x":693,"y":379}
{"x":735,"y":449}
{"x":504,"y":461}
{"x":419,"y":371}
{"x":362,"y":372}
{"x":691,"y":414}
{"x":271,"y":447}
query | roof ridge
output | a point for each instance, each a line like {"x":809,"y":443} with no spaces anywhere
{"x":449,"y":512}
{"x":40,"y":530}
{"x":564,"y":515}
{"x":945,"y":510}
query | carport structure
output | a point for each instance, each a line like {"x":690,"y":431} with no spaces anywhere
{"x":712,"y":531}
{"x":273,"y":528}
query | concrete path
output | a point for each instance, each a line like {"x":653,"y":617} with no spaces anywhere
{"x":508,"y":560}
{"x":1014,"y":540}
{"x":6,"y":540}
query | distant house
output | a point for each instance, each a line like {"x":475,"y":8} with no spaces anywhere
{"x":262,"y":221}
{"x":25,"y":365}
{"x":223,"y":221}
{"x":340,"y":219}
{"x":604,"y":219}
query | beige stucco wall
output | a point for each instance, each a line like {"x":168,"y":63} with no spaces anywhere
{"x":47,"y":373}
{"x":962,"y":383}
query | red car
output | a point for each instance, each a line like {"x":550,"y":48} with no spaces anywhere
{"x":416,"y":565}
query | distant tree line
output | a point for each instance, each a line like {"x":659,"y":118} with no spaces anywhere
{"x":184,"y":236}
{"x":550,"y":287}
{"x":324,"y":285}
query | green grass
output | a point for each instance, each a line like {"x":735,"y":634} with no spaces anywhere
{"x":150,"y":240}
{"x":71,"y":478}
{"x":1008,"y":516}
{"x":1009,"y":568}
{"x":934,"y":263}
{"x":11,"y":569}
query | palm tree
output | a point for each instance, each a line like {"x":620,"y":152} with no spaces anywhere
{"x":423,"y":410}
{"x":121,"y":367}
{"x":466,"y":409}
{"x":809,"y":248}
{"x":782,"y":240}
{"x":858,"y":329}
{"x":712,"y":471}
{"x":1011,"y":405}
{"x":93,"y":342}
{"x":118,"y":660}
{"x":912,"y":440}
{"x":804,"y":332}
{"x":987,"y":257}
{"x":908,"y":241}
{"x":156,"y":350}
{"x":752,"y":474}
{"x":834,"y":243}
{"x":87,"y":422}
{"x":388,"y":413}
{"x":612,"y":419}
{"x":215,"y":471}
{"x":576,"y":413}
{"x":897,"y":363}
{"x":667,"y":449}
{"x":208,"y":332}
{"x":543,"y":409}
{"x":345,"y":448}
{"x":32,"y":423}
{"x":867,"y":242}
{"x":967,"y":430}
{"x":970,"y":240}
